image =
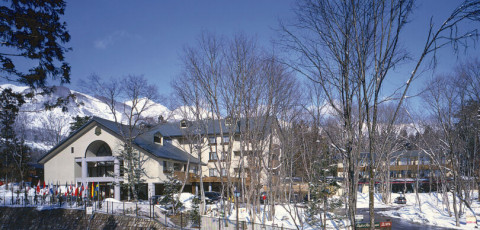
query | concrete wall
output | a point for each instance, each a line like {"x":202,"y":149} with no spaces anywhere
{"x":30,"y":218}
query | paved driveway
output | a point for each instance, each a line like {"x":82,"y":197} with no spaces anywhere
{"x":397,"y":223}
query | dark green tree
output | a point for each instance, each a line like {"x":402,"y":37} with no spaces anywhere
{"x":13,"y":154}
{"x":32,"y":30}
{"x":172,"y":186}
{"x":31,"y":40}
{"x":195,"y":212}
{"x":78,"y":121}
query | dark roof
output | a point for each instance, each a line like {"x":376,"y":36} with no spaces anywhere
{"x":143,"y":141}
{"x":212,"y":127}
{"x":167,"y":150}
{"x":401,"y":153}
{"x":410,"y":153}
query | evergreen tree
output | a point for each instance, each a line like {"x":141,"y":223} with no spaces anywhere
{"x":195,"y":213}
{"x":14,"y":154}
{"x":32,"y":30}
{"x":78,"y":121}
{"x":172,"y":186}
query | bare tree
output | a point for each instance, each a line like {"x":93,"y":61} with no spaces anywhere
{"x":349,"y":48}
{"x":127,"y":99}
{"x":55,"y":126}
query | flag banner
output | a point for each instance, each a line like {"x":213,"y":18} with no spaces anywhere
{"x":51,"y":188}
{"x":38,"y":187}
{"x":96,"y":189}
{"x":81,"y":190}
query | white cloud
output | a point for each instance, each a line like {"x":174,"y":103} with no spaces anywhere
{"x":111,"y":39}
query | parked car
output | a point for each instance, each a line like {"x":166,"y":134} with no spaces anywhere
{"x":212,"y":197}
{"x":400,"y":200}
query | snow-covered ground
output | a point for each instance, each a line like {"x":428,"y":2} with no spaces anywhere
{"x":431,"y":211}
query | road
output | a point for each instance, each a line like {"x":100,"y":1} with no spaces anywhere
{"x":397,"y":223}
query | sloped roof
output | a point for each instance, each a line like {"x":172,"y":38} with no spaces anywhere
{"x":212,"y":127}
{"x":167,"y":150}
{"x":143,"y":141}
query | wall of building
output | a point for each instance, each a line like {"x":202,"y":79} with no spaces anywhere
{"x":62,"y":166}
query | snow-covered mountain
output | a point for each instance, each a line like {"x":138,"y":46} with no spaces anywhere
{"x":42,"y":128}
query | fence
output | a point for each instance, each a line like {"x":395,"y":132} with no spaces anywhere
{"x":214,"y":223}
{"x":136,"y":209}
{"x":107,"y":206}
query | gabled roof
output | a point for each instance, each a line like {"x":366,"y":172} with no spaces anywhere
{"x":143,"y":141}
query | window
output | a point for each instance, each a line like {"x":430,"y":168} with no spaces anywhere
{"x":72,"y":150}
{"x":224,"y":172}
{"x":157,"y":138}
{"x":212,"y":172}
{"x":212,"y":156}
{"x":183,"y":124}
{"x":393,"y":161}
{"x":228,"y":121}
{"x":212,"y":140}
{"x":225,"y":139}
{"x":194,"y":169}
{"x":424,"y":161}
{"x":167,"y":166}
{"x":177,"y":167}
{"x":236,"y":153}
{"x":223,"y":156}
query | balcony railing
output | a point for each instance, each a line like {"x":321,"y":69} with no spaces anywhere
{"x":190,"y":176}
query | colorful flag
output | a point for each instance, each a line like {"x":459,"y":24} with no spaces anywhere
{"x":81,"y":190}
{"x":66,"y":189}
{"x":38,"y":186}
{"x":96,"y":189}
{"x":51,"y":188}
{"x":92,"y":188}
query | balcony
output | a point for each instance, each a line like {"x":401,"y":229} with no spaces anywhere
{"x":191,"y":177}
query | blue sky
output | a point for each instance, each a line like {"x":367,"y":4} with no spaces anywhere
{"x":117,"y":38}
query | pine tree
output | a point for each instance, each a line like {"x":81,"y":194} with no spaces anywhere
{"x":195,"y":213}
{"x":172,"y":186}
{"x":32,"y":30}
{"x":78,"y":121}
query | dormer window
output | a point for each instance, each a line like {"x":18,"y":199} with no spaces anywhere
{"x":228,"y":121}
{"x":183,"y":124}
{"x":158,"y":139}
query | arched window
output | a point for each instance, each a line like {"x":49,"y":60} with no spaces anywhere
{"x":98,"y":149}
